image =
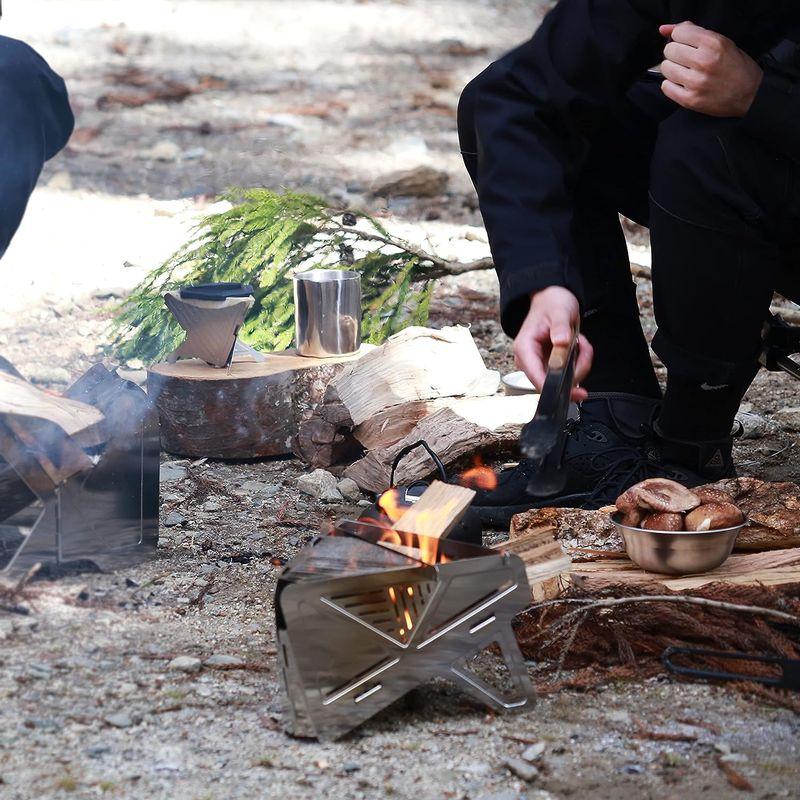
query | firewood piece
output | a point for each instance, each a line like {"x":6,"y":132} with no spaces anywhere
{"x":772,"y":508}
{"x":544,"y":558}
{"x":466,"y":427}
{"x":575,"y":528}
{"x":437,"y":512}
{"x":250,"y":410}
{"x":770,"y":568}
{"x":415,"y":364}
{"x":22,"y":401}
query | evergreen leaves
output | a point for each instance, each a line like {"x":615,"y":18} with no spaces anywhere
{"x":263,"y":239}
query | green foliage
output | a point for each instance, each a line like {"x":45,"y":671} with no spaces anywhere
{"x":263,"y":240}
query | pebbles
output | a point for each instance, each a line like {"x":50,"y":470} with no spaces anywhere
{"x":522,"y":769}
{"x":320,"y":484}
{"x":188,"y":664}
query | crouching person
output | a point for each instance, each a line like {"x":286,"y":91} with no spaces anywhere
{"x":36,"y":122}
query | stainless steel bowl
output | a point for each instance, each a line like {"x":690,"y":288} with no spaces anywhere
{"x":678,"y":553}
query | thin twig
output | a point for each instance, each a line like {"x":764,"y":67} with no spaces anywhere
{"x":610,"y":602}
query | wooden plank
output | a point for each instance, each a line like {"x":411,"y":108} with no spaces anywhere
{"x":770,"y":568}
{"x":20,"y":400}
{"x":437,"y":512}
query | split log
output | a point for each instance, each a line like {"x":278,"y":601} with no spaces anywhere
{"x":251,"y":410}
{"x":379,"y":399}
{"x":466,"y":427}
{"x":773,"y":510}
{"x":26,"y":404}
{"x":545,"y":560}
{"x":441,"y":507}
{"x":769,"y":569}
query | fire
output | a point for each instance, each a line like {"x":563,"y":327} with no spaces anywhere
{"x":479,"y":476}
{"x":390,"y":504}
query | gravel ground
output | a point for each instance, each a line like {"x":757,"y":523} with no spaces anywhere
{"x":325,"y":96}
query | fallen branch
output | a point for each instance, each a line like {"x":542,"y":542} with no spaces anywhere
{"x":590,"y":605}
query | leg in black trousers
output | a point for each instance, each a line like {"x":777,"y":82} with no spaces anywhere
{"x":721,"y":228}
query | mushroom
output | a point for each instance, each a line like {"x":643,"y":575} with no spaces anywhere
{"x":663,"y":521}
{"x":658,"y":494}
{"x":708,"y":494}
{"x":714,"y":516}
{"x":631,"y":518}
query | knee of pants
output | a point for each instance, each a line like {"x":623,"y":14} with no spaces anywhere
{"x":697,"y":172}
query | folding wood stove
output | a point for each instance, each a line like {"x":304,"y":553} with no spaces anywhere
{"x":364,"y":615}
{"x":72,"y":494}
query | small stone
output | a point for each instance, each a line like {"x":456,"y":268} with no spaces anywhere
{"x":172,"y":473}
{"x":211,"y":505}
{"x":534,"y":752}
{"x":619,"y":716}
{"x":97,"y":750}
{"x":522,"y":769}
{"x":121,"y":720}
{"x":349,"y":767}
{"x":6,"y":629}
{"x":164,"y":150}
{"x":348,"y":488}
{"x":633,"y":769}
{"x":788,"y":418}
{"x":188,"y":664}
{"x":223,"y":661}
{"x":755,"y":426}
{"x":48,"y":374}
{"x":422,"y":181}
{"x":194,"y":152}
{"x":174,"y":518}
{"x":320,"y":484}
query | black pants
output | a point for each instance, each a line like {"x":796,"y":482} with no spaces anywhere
{"x":724,"y":217}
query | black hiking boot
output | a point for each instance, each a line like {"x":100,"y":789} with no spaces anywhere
{"x":603,"y":446}
{"x":615,"y":444}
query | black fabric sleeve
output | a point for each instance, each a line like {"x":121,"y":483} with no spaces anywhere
{"x":774,"y":117}
{"x":534,"y":113}
{"x":36,"y":122}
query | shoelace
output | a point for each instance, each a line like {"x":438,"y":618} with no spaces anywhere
{"x":631,"y":467}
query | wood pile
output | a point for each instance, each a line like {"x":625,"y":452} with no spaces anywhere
{"x":421,"y":384}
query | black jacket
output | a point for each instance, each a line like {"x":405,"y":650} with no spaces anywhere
{"x":535,"y":110}
{"x":35,"y":123}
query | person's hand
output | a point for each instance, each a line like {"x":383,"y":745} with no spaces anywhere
{"x":706,"y":72}
{"x":553,"y":315}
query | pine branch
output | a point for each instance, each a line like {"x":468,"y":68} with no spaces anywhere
{"x":263,"y":239}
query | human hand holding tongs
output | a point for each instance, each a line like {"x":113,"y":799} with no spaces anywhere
{"x":544,"y":437}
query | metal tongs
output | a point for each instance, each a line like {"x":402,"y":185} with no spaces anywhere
{"x":788,"y":679}
{"x":543,"y":438}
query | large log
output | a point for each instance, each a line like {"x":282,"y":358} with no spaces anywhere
{"x":250,"y":410}
{"x":467,"y":426}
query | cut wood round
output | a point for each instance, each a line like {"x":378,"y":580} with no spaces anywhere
{"x":250,"y":410}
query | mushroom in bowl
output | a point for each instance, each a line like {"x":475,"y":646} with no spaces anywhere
{"x":670,"y":529}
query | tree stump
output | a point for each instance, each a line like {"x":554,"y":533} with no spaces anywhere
{"x":251,"y":410}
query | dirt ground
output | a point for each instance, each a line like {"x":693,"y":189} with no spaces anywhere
{"x":325,"y":96}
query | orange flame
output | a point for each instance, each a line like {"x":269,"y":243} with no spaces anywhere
{"x":390,"y":504}
{"x":478,"y":476}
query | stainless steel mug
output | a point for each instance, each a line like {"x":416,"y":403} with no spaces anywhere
{"x":327,"y":312}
